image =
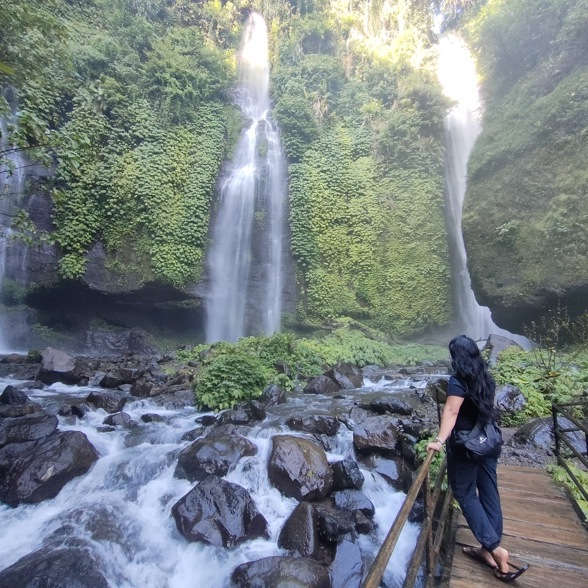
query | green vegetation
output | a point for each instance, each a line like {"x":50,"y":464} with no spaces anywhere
{"x":561,"y":476}
{"x":233,"y":373}
{"x":526,"y":212}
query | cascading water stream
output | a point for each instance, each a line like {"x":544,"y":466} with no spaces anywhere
{"x":245,"y":258}
{"x":457,"y":75}
{"x":121,"y":507}
{"x":12,"y":178}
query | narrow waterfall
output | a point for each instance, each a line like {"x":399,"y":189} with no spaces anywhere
{"x":12,"y":178}
{"x":457,"y":75}
{"x":245,"y":257}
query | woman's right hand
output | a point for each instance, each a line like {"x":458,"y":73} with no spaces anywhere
{"x":435,"y":446}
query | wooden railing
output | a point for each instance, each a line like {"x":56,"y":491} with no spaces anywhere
{"x":563,"y":446}
{"x":428,"y":545}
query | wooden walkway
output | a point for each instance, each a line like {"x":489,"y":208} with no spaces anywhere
{"x":541,"y":528}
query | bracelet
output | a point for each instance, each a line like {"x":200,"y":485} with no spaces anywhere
{"x":439,"y":441}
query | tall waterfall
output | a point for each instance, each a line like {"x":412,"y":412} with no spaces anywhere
{"x":457,"y":75}
{"x":12,"y":178}
{"x":245,"y":258}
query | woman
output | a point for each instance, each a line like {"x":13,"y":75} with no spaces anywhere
{"x":471,"y":394}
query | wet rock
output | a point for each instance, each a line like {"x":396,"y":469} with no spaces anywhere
{"x":393,"y":470}
{"x":105,"y":429}
{"x":346,"y":571}
{"x":321,"y":385}
{"x":299,"y":468}
{"x":407,"y":444}
{"x":212,"y":455}
{"x":120,"y":419}
{"x":377,"y":433}
{"x":29,"y":427}
{"x":509,"y":399}
{"x":193,"y":434}
{"x":316,"y":424}
{"x":363,"y":525}
{"x":300,"y":533}
{"x":120,"y":376}
{"x":346,"y":375}
{"x":219,"y":513}
{"x":109,"y":401}
{"x":538,"y":433}
{"x":142,"y":388}
{"x":353,"y":500}
{"x":356,"y":415}
{"x":437,"y":389}
{"x":19,"y":410}
{"x":176,"y":400}
{"x":281,"y":572}
{"x":14,"y":358}
{"x":333,"y":522}
{"x":75,"y":566}
{"x":272,"y":396}
{"x":243,"y":415}
{"x":58,"y":366}
{"x":206,"y":420}
{"x":152,"y":417}
{"x":496,"y":344}
{"x":13,"y":397}
{"x":46,"y":466}
{"x":346,"y":474}
{"x":389,"y":404}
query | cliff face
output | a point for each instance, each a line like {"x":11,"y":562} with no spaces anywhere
{"x":525,"y":220}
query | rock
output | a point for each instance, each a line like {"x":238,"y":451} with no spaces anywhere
{"x":46,"y":466}
{"x":142,"y":388}
{"x":111,"y":342}
{"x":272,"y":396}
{"x":509,"y":399}
{"x":108,"y":401}
{"x":539,"y":433}
{"x":219,"y":513}
{"x":353,"y":500}
{"x":393,"y":470}
{"x":244,"y":414}
{"x":300,"y":533}
{"x":346,"y":375}
{"x":13,"y":396}
{"x":321,"y":385}
{"x":356,"y":415}
{"x":58,"y":366}
{"x":14,"y":358}
{"x":75,"y":566}
{"x":206,"y":420}
{"x":120,"y":419}
{"x":281,"y":572}
{"x":29,"y":427}
{"x":120,"y":376}
{"x":333,"y":523}
{"x":407,"y":444}
{"x":217,"y":454}
{"x":437,"y":389}
{"x":316,"y":424}
{"x":19,"y":410}
{"x":378,"y":433}
{"x":496,"y":344}
{"x":193,"y":434}
{"x":346,"y":571}
{"x":346,"y":474}
{"x":299,"y":468}
{"x":151,"y":417}
{"x":389,"y":404}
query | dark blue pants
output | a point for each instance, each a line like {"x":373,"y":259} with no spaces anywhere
{"x":475,"y":488}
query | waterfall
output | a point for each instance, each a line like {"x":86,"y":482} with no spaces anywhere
{"x":457,"y":75}
{"x":245,"y":257}
{"x":12,"y":178}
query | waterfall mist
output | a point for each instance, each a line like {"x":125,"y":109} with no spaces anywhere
{"x":245,"y":256}
{"x":457,"y":75}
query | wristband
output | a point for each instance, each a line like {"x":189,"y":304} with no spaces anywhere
{"x":439,"y":441}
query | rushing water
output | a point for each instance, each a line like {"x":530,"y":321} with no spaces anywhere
{"x":12,"y":178}
{"x":245,"y":259}
{"x":122,"y":505}
{"x":457,"y":75}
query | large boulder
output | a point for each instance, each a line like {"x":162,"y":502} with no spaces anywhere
{"x":388,"y":404}
{"x":45,"y":467}
{"x":300,"y":533}
{"x":346,"y":375}
{"x":346,"y":571}
{"x":509,"y":399}
{"x":346,"y":474}
{"x":353,"y":500}
{"x":28,"y":427}
{"x":539,"y":433}
{"x":281,"y":572}
{"x":321,"y":385}
{"x":316,"y":424}
{"x":13,"y":396}
{"x":219,"y":513}
{"x":299,"y":468}
{"x":109,"y":401}
{"x":272,"y":396}
{"x":119,"y":376}
{"x":496,"y":344}
{"x":376,"y":434}
{"x":55,"y":566}
{"x":58,"y":366}
{"x":215,"y":454}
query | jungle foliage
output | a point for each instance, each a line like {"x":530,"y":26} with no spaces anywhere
{"x":132,"y":100}
{"x":526,"y":212}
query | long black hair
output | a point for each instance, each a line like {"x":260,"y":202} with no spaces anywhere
{"x":472,"y":370}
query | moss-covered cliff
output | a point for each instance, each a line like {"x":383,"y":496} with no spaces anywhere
{"x":525,"y":218}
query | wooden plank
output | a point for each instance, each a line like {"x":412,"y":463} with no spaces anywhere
{"x":540,"y":528}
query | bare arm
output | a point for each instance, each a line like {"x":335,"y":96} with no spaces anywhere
{"x":448,"y":419}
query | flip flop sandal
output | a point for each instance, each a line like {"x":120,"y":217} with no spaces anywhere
{"x":474,"y":553}
{"x":510,"y":576}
